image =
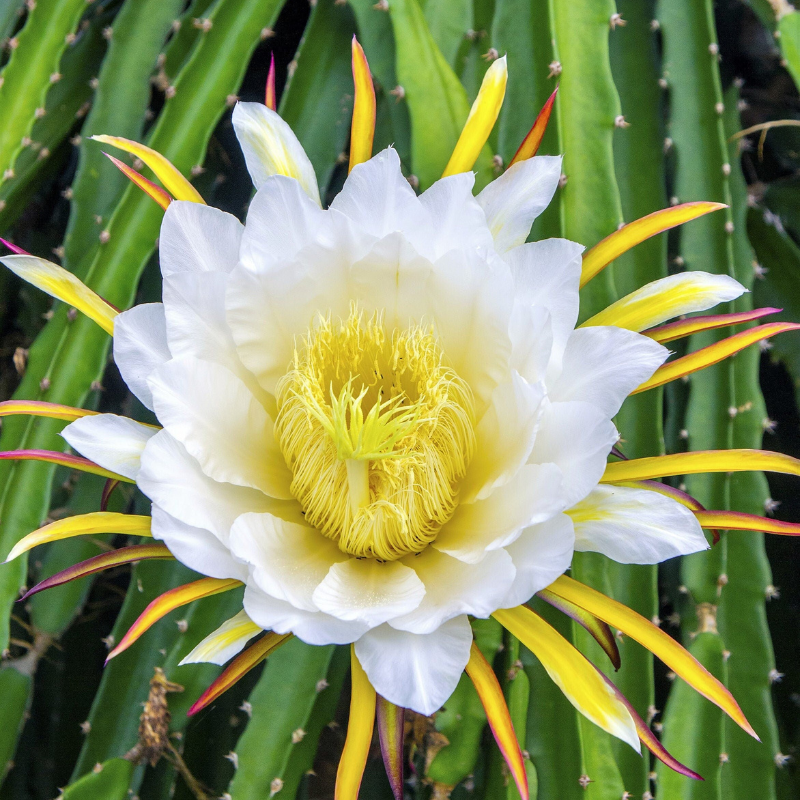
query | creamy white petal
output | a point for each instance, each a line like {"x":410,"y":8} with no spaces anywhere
{"x":225,"y":642}
{"x":113,"y":442}
{"x":380,"y":201}
{"x":531,"y":334}
{"x":281,"y":220}
{"x":313,"y":627}
{"x":505,"y":436}
{"x":669,"y":297}
{"x":541,"y":554}
{"x":635,"y":526}
{"x":289,"y":560}
{"x":364,"y":590}
{"x":198,"y":238}
{"x":270,"y":147}
{"x":547,"y":273}
{"x":514,"y":200}
{"x":197,"y":548}
{"x":577,"y":437}
{"x":458,"y":220}
{"x":140,"y":345}
{"x":171,"y":478}
{"x":534,"y":494}
{"x":415,"y":671}
{"x":216,"y":418}
{"x":604,"y":365}
{"x":453,"y":587}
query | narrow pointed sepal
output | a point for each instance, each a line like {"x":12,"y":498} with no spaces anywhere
{"x":270,"y":97}
{"x":239,"y":667}
{"x":114,"y":558}
{"x":693,"y":463}
{"x":628,"y":236}
{"x":531,"y":143}
{"x":362,"y":128}
{"x":174,"y":182}
{"x":108,"y":489}
{"x":686,"y":327}
{"x":714,"y":353}
{"x":649,"y":739}
{"x":494,"y":704}
{"x":571,"y":671}
{"x":598,"y":629}
{"x":739,"y":521}
{"x":359,"y":733}
{"x":169,"y":601}
{"x":148,"y":187}
{"x":62,"y":460}
{"x":14,"y":248}
{"x":390,"y":732}
{"x":663,"y":646}
{"x":93,"y":523}
{"x":481,"y":119}
{"x":63,"y":285}
{"x":225,"y":642}
{"x":39,"y":408}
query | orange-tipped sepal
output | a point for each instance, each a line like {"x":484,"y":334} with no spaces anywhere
{"x":114,"y":558}
{"x":663,"y":646}
{"x":739,"y":521}
{"x":362,"y":128}
{"x":62,"y":460}
{"x":693,"y":463}
{"x":174,"y":182}
{"x":494,"y":704}
{"x":359,"y":733}
{"x":148,"y":187}
{"x":390,"y":732}
{"x":270,"y":97}
{"x":690,"y":325}
{"x":169,"y":601}
{"x":39,"y":408}
{"x":628,"y":236}
{"x":239,"y":667}
{"x":531,"y":143}
{"x":83,"y":525}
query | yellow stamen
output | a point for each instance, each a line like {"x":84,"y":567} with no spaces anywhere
{"x":378,"y":433}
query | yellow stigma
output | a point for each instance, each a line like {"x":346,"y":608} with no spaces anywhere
{"x":378,"y":433}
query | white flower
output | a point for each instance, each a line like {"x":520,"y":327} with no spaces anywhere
{"x":380,"y":416}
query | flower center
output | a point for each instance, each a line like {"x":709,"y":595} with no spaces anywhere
{"x":378,"y":433}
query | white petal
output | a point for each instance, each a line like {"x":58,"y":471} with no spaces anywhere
{"x":505,"y":436}
{"x":216,"y":418}
{"x":514,"y":200}
{"x":171,"y":478}
{"x":113,"y":442}
{"x":547,"y":273}
{"x":415,"y":671}
{"x":604,"y":365}
{"x":289,"y":561}
{"x":312,"y":627}
{"x":197,"y":548}
{"x":531,"y":332}
{"x":380,"y":201}
{"x":453,"y":588}
{"x":541,"y":554}
{"x":577,"y":438}
{"x":635,"y":526}
{"x":225,"y":642}
{"x":458,"y":220}
{"x":140,"y":345}
{"x":280,"y":221}
{"x":271,"y":148}
{"x":368,"y":591}
{"x":198,"y":238}
{"x":533,"y":495}
{"x":667,"y":298}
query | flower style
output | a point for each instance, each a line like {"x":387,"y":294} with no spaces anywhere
{"x":381,"y":418}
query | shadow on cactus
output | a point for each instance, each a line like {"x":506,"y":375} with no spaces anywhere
{"x":381,"y":419}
